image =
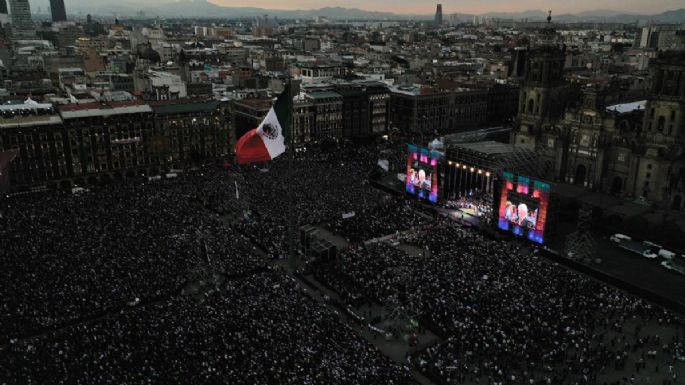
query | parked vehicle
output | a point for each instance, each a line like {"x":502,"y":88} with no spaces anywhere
{"x":650,"y":254}
{"x":675,"y":266}
{"x":666,"y":254}
{"x":620,"y":237}
{"x":635,"y":247}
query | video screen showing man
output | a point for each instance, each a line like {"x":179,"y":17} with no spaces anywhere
{"x":521,"y":214}
{"x":421,"y":176}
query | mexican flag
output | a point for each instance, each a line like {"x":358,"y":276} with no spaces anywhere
{"x":268,"y":140}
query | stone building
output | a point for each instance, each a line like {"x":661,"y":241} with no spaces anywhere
{"x":660,"y":169}
{"x":328,"y":121}
{"x":632,"y":150}
{"x":541,"y":101}
{"x":106,"y":141}
{"x":427,"y":110}
{"x":35,"y":132}
{"x":188,"y":131}
{"x":91,"y":143}
{"x":365,"y":110}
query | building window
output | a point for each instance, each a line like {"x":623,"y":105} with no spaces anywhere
{"x":585,"y":140}
{"x":661,"y":123}
{"x":621,"y":156}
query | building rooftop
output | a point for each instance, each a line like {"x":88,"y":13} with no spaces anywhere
{"x":30,"y":121}
{"x":73,"y":111}
{"x":486,"y":147}
{"x":407,"y":90}
{"x":351,"y":92}
{"x":256,"y":103}
{"x":627,"y":107}
{"x":323,"y":95}
{"x":28,"y":105}
{"x":183,"y":106}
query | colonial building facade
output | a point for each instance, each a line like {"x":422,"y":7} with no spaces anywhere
{"x":91,"y":143}
{"x":632,"y":150}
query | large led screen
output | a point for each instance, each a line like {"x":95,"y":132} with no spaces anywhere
{"x":422,"y":173}
{"x":523,"y":206}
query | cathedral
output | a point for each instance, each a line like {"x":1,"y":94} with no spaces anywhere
{"x":630,"y":150}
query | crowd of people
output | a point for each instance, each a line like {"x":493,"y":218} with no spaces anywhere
{"x":327,"y":184}
{"x":387,"y":215}
{"x":513,"y":317}
{"x":262,"y":329}
{"x":364,"y":265}
{"x":92,"y":288}
{"x":71,"y":256}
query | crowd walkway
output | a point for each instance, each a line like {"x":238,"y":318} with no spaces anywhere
{"x":358,"y":319}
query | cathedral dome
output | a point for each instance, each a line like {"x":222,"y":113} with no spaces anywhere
{"x":146,"y":52}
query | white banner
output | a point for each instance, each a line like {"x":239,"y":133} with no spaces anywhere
{"x":348,"y":215}
{"x":384,"y":164}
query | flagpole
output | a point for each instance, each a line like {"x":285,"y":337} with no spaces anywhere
{"x":291,"y":150}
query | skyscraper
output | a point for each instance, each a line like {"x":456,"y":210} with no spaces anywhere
{"x":22,"y":25}
{"x":4,"y":14}
{"x":59,"y":13}
{"x":438,"y":15}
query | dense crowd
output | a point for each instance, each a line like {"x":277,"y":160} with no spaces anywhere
{"x":326,"y":185}
{"x":92,"y":285}
{"x":387,"y":215}
{"x":92,"y":288}
{"x":515,"y":318}
{"x":363,"y":266}
{"x":69,"y":256}
{"x":262,"y":329}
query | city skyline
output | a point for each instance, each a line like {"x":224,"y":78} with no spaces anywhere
{"x":479,"y":7}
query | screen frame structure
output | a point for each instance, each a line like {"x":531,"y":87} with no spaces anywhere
{"x":427,"y":158}
{"x":532,"y":190}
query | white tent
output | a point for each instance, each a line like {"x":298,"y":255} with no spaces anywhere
{"x":436,"y":144}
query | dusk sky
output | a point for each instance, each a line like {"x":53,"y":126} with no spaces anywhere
{"x":480,"y":6}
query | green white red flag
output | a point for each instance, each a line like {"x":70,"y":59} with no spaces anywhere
{"x":269,"y":139}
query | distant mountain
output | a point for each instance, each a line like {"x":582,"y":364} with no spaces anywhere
{"x":531,"y":15}
{"x":675,"y":16}
{"x":353,"y":13}
{"x":601,"y":13}
{"x":205,"y":9}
